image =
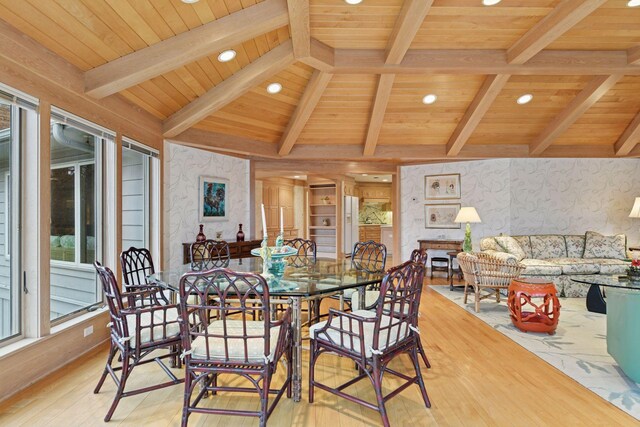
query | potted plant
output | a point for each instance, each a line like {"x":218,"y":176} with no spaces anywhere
{"x":633,"y":272}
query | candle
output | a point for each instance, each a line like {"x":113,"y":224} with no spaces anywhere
{"x":281,"y":221}
{"x":264,"y":222}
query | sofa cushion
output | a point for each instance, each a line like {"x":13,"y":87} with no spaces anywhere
{"x":575,"y":246}
{"x":598,"y":246}
{"x":503,"y":256}
{"x":509,"y":245}
{"x":525,"y":244}
{"x":540,"y":267}
{"x":611,"y":266}
{"x":576,"y":265}
{"x":489,"y":244}
{"x":547,"y":246}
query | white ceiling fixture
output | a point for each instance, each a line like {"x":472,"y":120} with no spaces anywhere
{"x":429,"y":99}
{"x":274,"y":88}
{"x":365,"y":174}
{"x":190,"y":1}
{"x":490,"y":2}
{"x":385,"y":180}
{"x":353,"y":2}
{"x":525,"y":99}
{"x":633,"y":3}
{"x":296,"y":176}
{"x":227,"y":55}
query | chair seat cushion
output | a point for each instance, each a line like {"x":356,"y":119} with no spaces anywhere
{"x":576,"y":265}
{"x":148,"y":334}
{"x":215,"y":349}
{"x":370,"y":298}
{"x":540,"y":267}
{"x":333,"y":336}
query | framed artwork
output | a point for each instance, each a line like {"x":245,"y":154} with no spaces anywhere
{"x":213,"y":199}
{"x":441,"y":216}
{"x":442,"y":186}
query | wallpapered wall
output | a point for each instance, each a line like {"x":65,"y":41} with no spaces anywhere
{"x":529,"y":196}
{"x":183,"y":167}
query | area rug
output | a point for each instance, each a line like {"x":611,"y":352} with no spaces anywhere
{"x":578,"y":349}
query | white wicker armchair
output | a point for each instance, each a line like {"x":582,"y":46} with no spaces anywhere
{"x":485,"y":272}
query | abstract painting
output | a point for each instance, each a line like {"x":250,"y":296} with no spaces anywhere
{"x":214,"y":197}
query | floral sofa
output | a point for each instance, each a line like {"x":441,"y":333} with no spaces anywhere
{"x":562,"y":257}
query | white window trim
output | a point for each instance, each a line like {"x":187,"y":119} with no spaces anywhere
{"x":7,"y":228}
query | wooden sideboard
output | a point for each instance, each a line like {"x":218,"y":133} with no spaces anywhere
{"x":236,"y":249}
{"x":440,"y":245}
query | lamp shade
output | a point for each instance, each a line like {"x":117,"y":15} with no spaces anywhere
{"x":467,"y":214}
{"x":635,"y":210}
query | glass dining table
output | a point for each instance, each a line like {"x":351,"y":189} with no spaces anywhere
{"x":297,"y":284}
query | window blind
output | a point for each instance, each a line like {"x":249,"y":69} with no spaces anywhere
{"x":140,"y":148}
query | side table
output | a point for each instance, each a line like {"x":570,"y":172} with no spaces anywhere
{"x":533,"y":305}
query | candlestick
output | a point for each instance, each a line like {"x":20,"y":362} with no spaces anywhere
{"x":264,"y":222}
{"x":281,"y":221}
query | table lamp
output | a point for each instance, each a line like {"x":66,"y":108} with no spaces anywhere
{"x":469,"y":214}
{"x":635,"y":210}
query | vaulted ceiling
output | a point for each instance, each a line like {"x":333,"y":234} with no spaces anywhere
{"x":354,"y":76}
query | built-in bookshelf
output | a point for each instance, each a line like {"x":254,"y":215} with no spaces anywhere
{"x":323,"y":218}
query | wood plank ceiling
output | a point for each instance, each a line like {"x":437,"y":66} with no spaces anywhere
{"x":353,"y":76}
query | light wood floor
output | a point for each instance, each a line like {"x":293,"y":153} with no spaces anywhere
{"x":478,"y":378}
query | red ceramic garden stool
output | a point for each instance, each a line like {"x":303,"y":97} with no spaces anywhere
{"x":533,"y":305}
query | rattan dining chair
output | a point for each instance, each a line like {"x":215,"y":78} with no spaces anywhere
{"x":306,"y":252}
{"x":368,"y":257}
{"x":373,"y":339}
{"x":372,"y":298}
{"x":137,"y":265}
{"x":139,"y":326}
{"x":230,"y":343}
{"x":209,"y":254}
{"x":486,"y":275}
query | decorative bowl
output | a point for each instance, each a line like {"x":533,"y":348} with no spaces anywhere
{"x":285,"y":251}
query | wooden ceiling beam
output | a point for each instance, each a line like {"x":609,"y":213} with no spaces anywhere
{"x":314,"y":167}
{"x":185,"y":48}
{"x":407,"y":25}
{"x":477,"y":109}
{"x":384,"y":155}
{"x":312,"y":94}
{"x":629,"y":138}
{"x":299,"y":27}
{"x":321,"y":56}
{"x":230,"y":89}
{"x":594,"y":90}
{"x":470,"y":61}
{"x":383,"y":92}
{"x":567,"y":14}
{"x":633,"y":55}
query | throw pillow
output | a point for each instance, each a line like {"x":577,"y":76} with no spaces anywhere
{"x":598,"y":246}
{"x":509,"y":245}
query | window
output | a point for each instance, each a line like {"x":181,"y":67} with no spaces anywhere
{"x":76,"y":213}
{"x":139,"y":185}
{"x":11,"y":115}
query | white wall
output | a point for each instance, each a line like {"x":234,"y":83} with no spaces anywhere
{"x":183,"y":167}
{"x":529,"y":196}
{"x":484,"y":185}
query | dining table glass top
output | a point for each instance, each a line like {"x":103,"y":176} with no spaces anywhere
{"x":322,"y":277}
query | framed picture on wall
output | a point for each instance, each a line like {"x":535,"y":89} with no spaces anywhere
{"x":439,"y":187}
{"x":441,"y":215}
{"x":213,"y":199}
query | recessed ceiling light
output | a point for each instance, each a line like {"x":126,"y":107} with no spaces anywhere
{"x":227,"y":55}
{"x":525,"y":99}
{"x":190,"y":1}
{"x":429,"y":99}
{"x":365,"y":174}
{"x":296,"y":176}
{"x":385,"y":180}
{"x":353,"y":1}
{"x":274,"y":88}
{"x":633,"y":3}
{"x":490,"y":2}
